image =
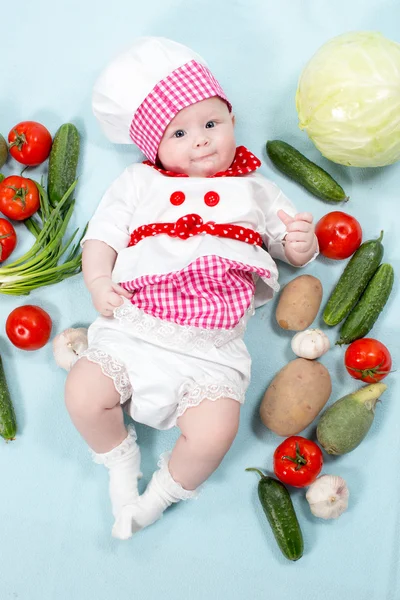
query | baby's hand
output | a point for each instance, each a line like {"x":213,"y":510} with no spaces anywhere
{"x":106,"y":295}
{"x":300,"y":240}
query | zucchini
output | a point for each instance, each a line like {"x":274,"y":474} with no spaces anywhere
{"x":3,"y":151}
{"x":353,"y":281}
{"x":299,"y":168}
{"x":344,"y":425}
{"x":279,"y":510}
{"x":8,"y":424}
{"x":363,"y":316}
{"x":63,"y":162}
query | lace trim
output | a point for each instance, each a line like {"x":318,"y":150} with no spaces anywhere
{"x":113,"y":369}
{"x":170,"y":334}
{"x":125,"y":447}
{"x":213,"y":392}
{"x":170,"y":484}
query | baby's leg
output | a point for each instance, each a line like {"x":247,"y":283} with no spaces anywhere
{"x":207,"y":432}
{"x":94,"y":407}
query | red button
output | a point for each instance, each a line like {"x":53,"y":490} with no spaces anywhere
{"x":211,"y":198}
{"x":177,"y":198}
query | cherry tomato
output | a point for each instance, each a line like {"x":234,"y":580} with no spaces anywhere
{"x":30,"y":143}
{"x":339,"y":235}
{"x":367,"y":359}
{"x":298,"y":461}
{"x":28,"y":327}
{"x":19,"y":197}
{"x":8,"y":239}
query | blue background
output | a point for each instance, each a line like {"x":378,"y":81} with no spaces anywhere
{"x":55,"y":519}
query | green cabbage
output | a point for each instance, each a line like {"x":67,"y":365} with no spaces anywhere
{"x":348,"y":99}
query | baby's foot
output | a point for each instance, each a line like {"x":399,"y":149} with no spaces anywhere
{"x":123,"y":489}
{"x":131,"y":519}
{"x":123,"y":464}
{"x":161,"y":492}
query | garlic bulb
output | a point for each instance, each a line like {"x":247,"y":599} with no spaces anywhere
{"x":328,"y":496}
{"x":68,"y":345}
{"x":310,"y":343}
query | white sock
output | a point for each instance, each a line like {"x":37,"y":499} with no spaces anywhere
{"x":161,"y":492}
{"x":123,"y":464}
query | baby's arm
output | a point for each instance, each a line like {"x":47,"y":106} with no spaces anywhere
{"x":300,"y":240}
{"x":97,"y":264}
{"x":288,"y":236}
{"x":108,"y":234}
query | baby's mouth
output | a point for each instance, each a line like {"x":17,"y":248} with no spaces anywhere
{"x":203,"y":158}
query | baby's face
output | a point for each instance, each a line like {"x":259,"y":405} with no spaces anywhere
{"x":199,"y":141}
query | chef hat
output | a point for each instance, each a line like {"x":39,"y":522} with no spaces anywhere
{"x":142,"y":89}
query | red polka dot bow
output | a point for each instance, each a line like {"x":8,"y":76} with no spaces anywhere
{"x":193,"y":224}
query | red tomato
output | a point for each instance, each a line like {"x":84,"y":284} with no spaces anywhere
{"x":298,"y":461}
{"x":28,"y":327}
{"x":30,"y":143}
{"x":19,"y":197}
{"x":368,"y":360}
{"x":339,"y":235}
{"x":8,"y":239}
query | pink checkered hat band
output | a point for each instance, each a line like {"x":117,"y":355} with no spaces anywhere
{"x":186,"y":85}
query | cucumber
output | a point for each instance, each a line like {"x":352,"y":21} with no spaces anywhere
{"x":8,"y":424}
{"x":279,"y":510}
{"x":344,"y":425}
{"x":63,"y":162}
{"x":294,"y":164}
{"x":353,"y":281}
{"x":363,"y":316}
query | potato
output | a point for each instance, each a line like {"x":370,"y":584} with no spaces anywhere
{"x":299,"y":303}
{"x":295,"y":396}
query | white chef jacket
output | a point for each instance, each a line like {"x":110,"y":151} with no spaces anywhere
{"x":141,"y":196}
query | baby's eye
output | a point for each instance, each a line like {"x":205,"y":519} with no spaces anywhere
{"x":210,"y":124}
{"x":179,"y":133}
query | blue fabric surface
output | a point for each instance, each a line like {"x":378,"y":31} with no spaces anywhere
{"x":55,"y":518}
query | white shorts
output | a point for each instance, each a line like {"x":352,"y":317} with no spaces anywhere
{"x":163,"y":368}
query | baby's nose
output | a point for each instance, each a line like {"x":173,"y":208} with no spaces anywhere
{"x":202,"y":141}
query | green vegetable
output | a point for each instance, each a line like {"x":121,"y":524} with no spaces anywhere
{"x":50,"y":259}
{"x":345,"y":424}
{"x":63,"y":162}
{"x":279,"y":510}
{"x":8,"y":424}
{"x":42,"y":265}
{"x":3,"y":151}
{"x":294,"y":164}
{"x":348,"y":99}
{"x":363,"y":316}
{"x":353,"y":281}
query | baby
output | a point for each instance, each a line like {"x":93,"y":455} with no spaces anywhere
{"x":176,"y":257}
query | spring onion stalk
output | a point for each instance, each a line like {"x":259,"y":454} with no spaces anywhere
{"x":32,"y":223}
{"x":42,"y":264}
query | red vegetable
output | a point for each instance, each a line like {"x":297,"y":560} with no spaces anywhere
{"x":367,"y":359}
{"x":8,"y":239}
{"x":297,"y":461}
{"x":30,"y":143}
{"x":339,"y":235}
{"x":28,"y":327}
{"x":19,"y":197}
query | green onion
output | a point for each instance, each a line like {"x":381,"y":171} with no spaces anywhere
{"x":42,"y":264}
